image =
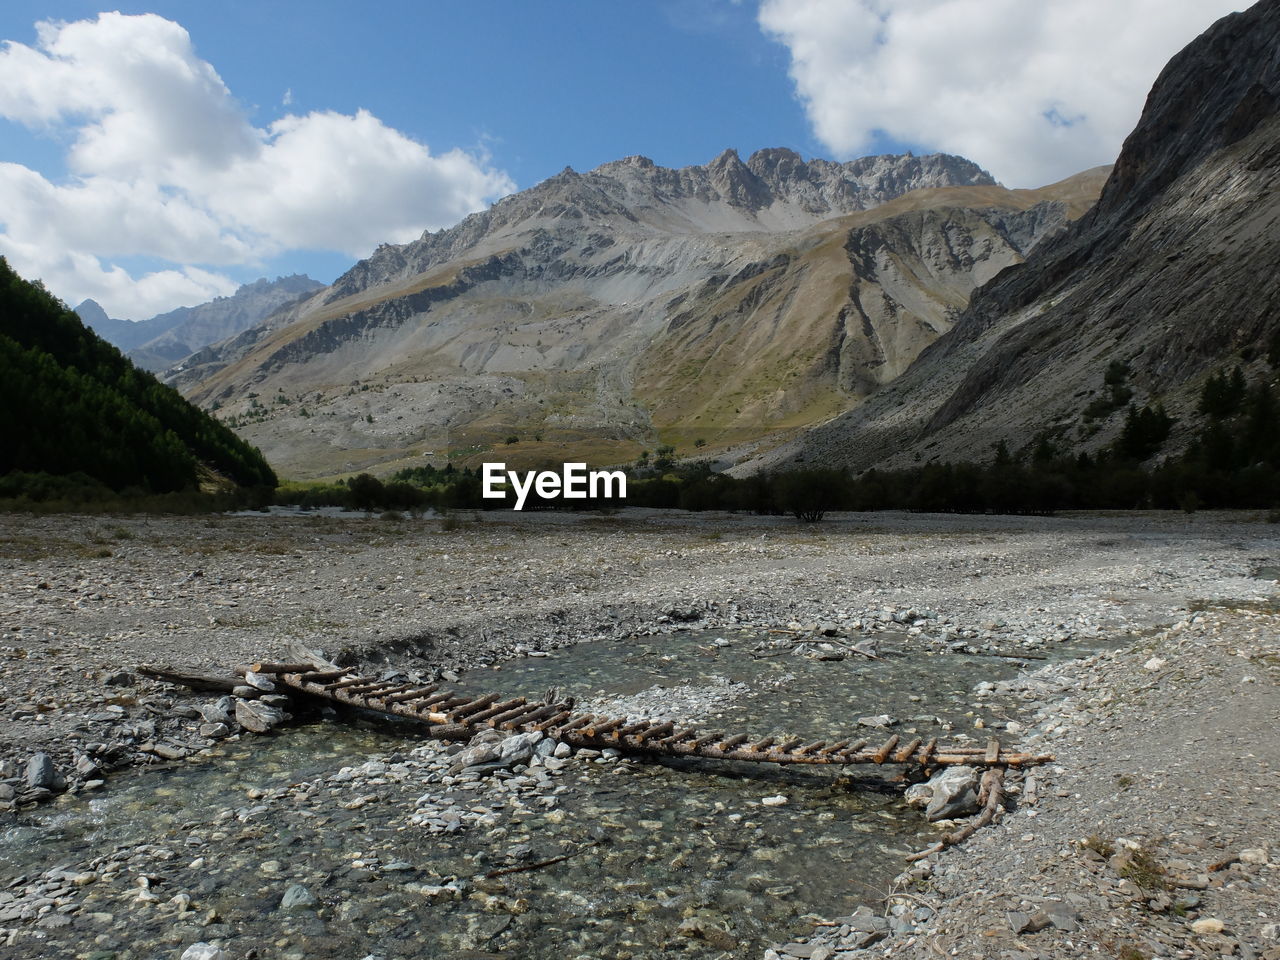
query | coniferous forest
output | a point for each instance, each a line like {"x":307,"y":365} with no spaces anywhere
{"x":79,"y":416}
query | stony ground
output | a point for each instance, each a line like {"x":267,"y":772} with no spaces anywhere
{"x":1153,"y":835}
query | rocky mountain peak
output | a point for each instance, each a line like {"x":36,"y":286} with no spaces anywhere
{"x":91,"y":312}
{"x":1213,"y":93}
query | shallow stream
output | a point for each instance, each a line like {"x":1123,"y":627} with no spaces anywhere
{"x":391,"y":857}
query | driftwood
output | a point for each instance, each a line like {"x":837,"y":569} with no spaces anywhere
{"x":525,"y":868}
{"x":193,"y":679}
{"x":989,"y":795}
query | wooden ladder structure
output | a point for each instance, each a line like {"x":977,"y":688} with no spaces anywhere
{"x":459,"y":716}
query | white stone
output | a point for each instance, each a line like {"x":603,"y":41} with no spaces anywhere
{"x":204,"y":951}
{"x":777,"y":801}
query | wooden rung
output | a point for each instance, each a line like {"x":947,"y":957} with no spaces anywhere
{"x":553,"y":721}
{"x":282,"y":667}
{"x":856,"y":746}
{"x":388,"y":691}
{"x":444,"y":696}
{"x":366,"y":687}
{"x":787,"y":745}
{"x":701,"y":741}
{"x":927,"y":753}
{"x":632,"y":728}
{"x":993,"y":751}
{"x":415,"y":694}
{"x":811,"y":747}
{"x":760,"y":744}
{"x":676,"y":737}
{"x":496,"y":710}
{"x":311,"y":675}
{"x":344,"y":684}
{"x":472,"y":706}
{"x":575,"y":723}
{"x":545,"y":710}
{"x":600,"y":729}
{"x":834,"y":748}
{"x":732,"y":742}
{"x":513,"y":718}
{"x":658,"y":730}
{"x":885,"y":749}
{"x":494,"y":719}
{"x":904,"y":754}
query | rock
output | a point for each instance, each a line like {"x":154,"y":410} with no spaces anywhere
{"x":260,"y":682}
{"x":258,"y":717}
{"x":1155,"y":663}
{"x":1021,"y":923}
{"x":246,"y":692}
{"x":777,"y":801}
{"x":491,"y":750}
{"x":297,"y":897}
{"x":41,"y":774}
{"x":711,"y":934}
{"x":880,"y":721}
{"x":1063,"y":918}
{"x":953,"y":793}
{"x":168,"y":752}
{"x":1207,"y":926}
{"x":204,"y":951}
{"x":214,"y":731}
{"x":562,"y":751}
{"x":918,"y":795}
{"x":121,"y":678}
{"x":1254,"y":855}
{"x":219,"y":711}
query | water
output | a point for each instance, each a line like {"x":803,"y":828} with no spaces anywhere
{"x":648,"y":846}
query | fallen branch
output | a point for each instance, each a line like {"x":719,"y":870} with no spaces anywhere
{"x":525,"y":868}
{"x":990,"y":794}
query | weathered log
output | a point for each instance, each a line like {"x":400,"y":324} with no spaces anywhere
{"x":886,"y":748}
{"x":192,"y":679}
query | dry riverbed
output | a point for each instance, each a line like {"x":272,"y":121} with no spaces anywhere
{"x":1154,"y":834}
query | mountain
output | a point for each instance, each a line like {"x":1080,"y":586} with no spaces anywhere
{"x":125,"y":334}
{"x":1171,"y":276}
{"x":168,"y":338}
{"x":183,"y":331}
{"x":74,"y":405}
{"x":630,"y":305}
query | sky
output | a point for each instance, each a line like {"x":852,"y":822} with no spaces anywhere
{"x":154,"y":155}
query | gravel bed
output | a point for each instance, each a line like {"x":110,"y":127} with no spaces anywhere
{"x":1153,"y":835}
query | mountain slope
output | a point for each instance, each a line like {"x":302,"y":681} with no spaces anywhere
{"x":630,"y":305}
{"x":73,"y":404}
{"x":1173,"y":274}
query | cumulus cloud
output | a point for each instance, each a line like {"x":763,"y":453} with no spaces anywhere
{"x":1033,"y":90}
{"x":164,"y":164}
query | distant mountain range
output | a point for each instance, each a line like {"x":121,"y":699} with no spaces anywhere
{"x":169,"y":338}
{"x":892,"y":310}
{"x":632,"y":305}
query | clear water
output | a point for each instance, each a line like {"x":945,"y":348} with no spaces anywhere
{"x":649,"y":845}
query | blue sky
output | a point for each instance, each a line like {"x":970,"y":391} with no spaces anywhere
{"x":464,"y":101}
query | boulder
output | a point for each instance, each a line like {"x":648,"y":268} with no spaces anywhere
{"x":491,"y":750}
{"x":258,"y":717}
{"x":953,"y":792}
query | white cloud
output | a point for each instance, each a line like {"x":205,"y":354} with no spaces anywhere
{"x":1033,"y":90}
{"x":165,"y":164}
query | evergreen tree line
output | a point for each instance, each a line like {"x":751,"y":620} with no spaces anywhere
{"x":1234,"y":461}
{"x":74,"y":405}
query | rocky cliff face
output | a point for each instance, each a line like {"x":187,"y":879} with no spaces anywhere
{"x":628,"y":306}
{"x":1173,"y":273}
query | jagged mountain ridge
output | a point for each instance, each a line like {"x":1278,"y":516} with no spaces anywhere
{"x":628,"y":306}
{"x":1173,"y":273}
{"x":168,"y":338}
